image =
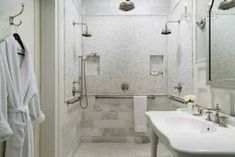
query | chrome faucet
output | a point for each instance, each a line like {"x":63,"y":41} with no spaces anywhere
{"x":74,"y":90}
{"x":197,"y":110}
{"x":217,"y":117}
{"x":208,"y":118}
{"x":179,"y":87}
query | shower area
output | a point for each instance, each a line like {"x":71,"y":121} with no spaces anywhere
{"x":115,"y":50}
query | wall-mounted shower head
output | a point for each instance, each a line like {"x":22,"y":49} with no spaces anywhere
{"x":227,"y":4}
{"x":166,"y":30}
{"x":127,"y":5}
{"x":86,"y":34}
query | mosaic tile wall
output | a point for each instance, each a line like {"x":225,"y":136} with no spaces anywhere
{"x":124,"y":44}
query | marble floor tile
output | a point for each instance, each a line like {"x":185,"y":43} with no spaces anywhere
{"x":119,"y":150}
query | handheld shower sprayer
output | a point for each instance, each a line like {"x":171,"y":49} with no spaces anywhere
{"x":82,"y":78}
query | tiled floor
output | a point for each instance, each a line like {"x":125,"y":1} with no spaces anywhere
{"x":119,"y":150}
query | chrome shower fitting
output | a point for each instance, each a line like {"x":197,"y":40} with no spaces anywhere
{"x":166,"y":30}
{"x":87,"y":56}
{"x":86,"y":34}
{"x":124,"y":86}
{"x":74,"y":90}
{"x":227,"y":4}
{"x":127,"y":6}
{"x":201,"y":23}
{"x":179,"y":88}
{"x":82,"y":79}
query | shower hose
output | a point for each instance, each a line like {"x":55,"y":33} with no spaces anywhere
{"x":83,"y":62}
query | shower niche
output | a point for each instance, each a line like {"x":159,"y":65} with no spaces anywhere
{"x":156,"y":65}
{"x":93,"y":66}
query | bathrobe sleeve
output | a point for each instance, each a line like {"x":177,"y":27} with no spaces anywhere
{"x":36,"y":114}
{"x":5,"y":130}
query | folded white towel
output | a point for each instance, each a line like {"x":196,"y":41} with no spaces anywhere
{"x":140,"y":107}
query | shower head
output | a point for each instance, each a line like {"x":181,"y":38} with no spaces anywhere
{"x":166,"y":30}
{"x":127,"y":5}
{"x":86,"y":34}
{"x":227,"y":4}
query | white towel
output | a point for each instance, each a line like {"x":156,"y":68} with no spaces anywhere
{"x":140,"y":107}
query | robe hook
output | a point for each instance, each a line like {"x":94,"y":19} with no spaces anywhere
{"x":11,"y":18}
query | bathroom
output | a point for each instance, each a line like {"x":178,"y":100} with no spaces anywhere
{"x":127,"y":78}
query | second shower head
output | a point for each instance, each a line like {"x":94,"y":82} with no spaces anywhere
{"x":227,"y":4}
{"x":86,"y":33}
{"x":166,"y":30}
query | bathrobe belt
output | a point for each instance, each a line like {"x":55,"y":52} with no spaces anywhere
{"x":24,"y":110}
{"x":17,"y":110}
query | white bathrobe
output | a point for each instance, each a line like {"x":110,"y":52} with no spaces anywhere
{"x":23,"y":100}
{"x":5,"y":130}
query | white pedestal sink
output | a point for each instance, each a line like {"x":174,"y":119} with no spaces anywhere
{"x":189,"y":136}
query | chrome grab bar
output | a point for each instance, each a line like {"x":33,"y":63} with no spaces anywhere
{"x":76,"y":99}
{"x":178,"y":99}
{"x":121,"y":96}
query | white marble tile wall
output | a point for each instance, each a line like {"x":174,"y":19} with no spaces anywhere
{"x":111,"y":120}
{"x":124,"y":44}
{"x":180,"y":50}
{"x":70,"y":117}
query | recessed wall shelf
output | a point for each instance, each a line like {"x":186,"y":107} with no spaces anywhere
{"x":93,"y":66}
{"x":156,"y":65}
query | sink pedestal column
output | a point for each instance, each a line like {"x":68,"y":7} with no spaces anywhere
{"x":154,"y":143}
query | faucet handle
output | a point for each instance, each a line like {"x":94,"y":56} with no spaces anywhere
{"x":217,"y":108}
{"x":223,"y":121}
{"x":208,"y":118}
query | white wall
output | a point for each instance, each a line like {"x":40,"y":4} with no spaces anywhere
{"x":125,"y":44}
{"x":208,"y":96}
{"x":27,"y":30}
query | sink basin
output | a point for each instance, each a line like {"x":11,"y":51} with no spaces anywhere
{"x":189,"y":136}
{"x":187,"y":124}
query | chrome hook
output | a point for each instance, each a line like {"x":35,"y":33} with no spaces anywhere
{"x":11,"y":18}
